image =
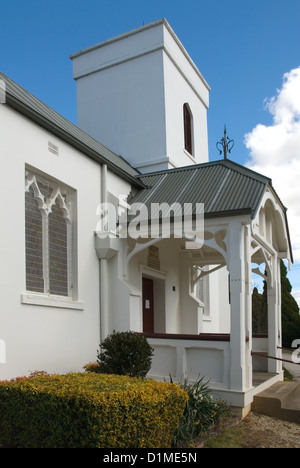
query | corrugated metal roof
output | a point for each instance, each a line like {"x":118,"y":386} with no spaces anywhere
{"x":23,"y":101}
{"x":224,"y":187}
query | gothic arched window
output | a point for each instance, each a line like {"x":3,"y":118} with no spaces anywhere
{"x":49,"y":236}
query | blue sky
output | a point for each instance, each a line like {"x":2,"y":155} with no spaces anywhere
{"x":243,"y":48}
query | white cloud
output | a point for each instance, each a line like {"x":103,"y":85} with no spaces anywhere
{"x":275,"y":150}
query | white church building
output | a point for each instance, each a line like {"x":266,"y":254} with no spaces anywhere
{"x":68,"y":279}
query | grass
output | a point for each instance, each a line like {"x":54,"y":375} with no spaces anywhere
{"x":288,"y":377}
{"x":233,"y":437}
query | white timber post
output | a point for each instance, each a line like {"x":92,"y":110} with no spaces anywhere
{"x":236,"y":267}
{"x":274,"y":316}
{"x":248,"y":308}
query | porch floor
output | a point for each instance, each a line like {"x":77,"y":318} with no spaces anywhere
{"x":260,"y":377}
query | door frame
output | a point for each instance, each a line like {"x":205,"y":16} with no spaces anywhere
{"x":159,"y":296}
{"x":148,"y":305}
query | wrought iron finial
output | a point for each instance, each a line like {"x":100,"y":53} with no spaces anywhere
{"x":226,"y":144}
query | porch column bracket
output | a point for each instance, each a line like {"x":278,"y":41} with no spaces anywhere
{"x":220,"y":247}
{"x":268,"y":259}
{"x":259,"y":273}
{"x":203,"y":273}
{"x":269,"y":264}
{"x":130,"y":251}
{"x":255,"y":249}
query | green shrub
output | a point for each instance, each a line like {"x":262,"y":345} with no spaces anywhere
{"x":89,"y":411}
{"x":92,"y":367}
{"x":201,"y":413}
{"x":125,"y":353}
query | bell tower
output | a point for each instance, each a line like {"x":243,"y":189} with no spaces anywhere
{"x":141,"y":95}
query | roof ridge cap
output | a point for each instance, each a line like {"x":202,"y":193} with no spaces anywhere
{"x":180,"y":169}
{"x":247,"y":171}
{"x":223,"y":162}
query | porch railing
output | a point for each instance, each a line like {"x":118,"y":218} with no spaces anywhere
{"x":253,"y":353}
{"x":200,"y":337}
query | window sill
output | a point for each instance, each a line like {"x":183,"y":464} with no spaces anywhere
{"x":51,"y":301}
{"x":189,"y":155}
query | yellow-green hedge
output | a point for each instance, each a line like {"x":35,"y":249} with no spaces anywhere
{"x":89,"y":410}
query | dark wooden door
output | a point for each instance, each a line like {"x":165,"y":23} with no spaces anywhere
{"x":148,"y":309}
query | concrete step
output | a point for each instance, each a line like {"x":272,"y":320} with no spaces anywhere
{"x":281,"y":400}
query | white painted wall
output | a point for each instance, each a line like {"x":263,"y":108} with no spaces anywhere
{"x":189,"y":306}
{"x":175,"y":310}
{"x":53,"y":339}
{"x":184,"y":85}
{"x":117,"y":186}
{"x":131,"y":91}
{"x":123,"y":107}
{"x":180,"y":313}
{"x":218,"y":320}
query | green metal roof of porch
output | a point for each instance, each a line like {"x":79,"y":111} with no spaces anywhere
{"x":224,"y":187}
